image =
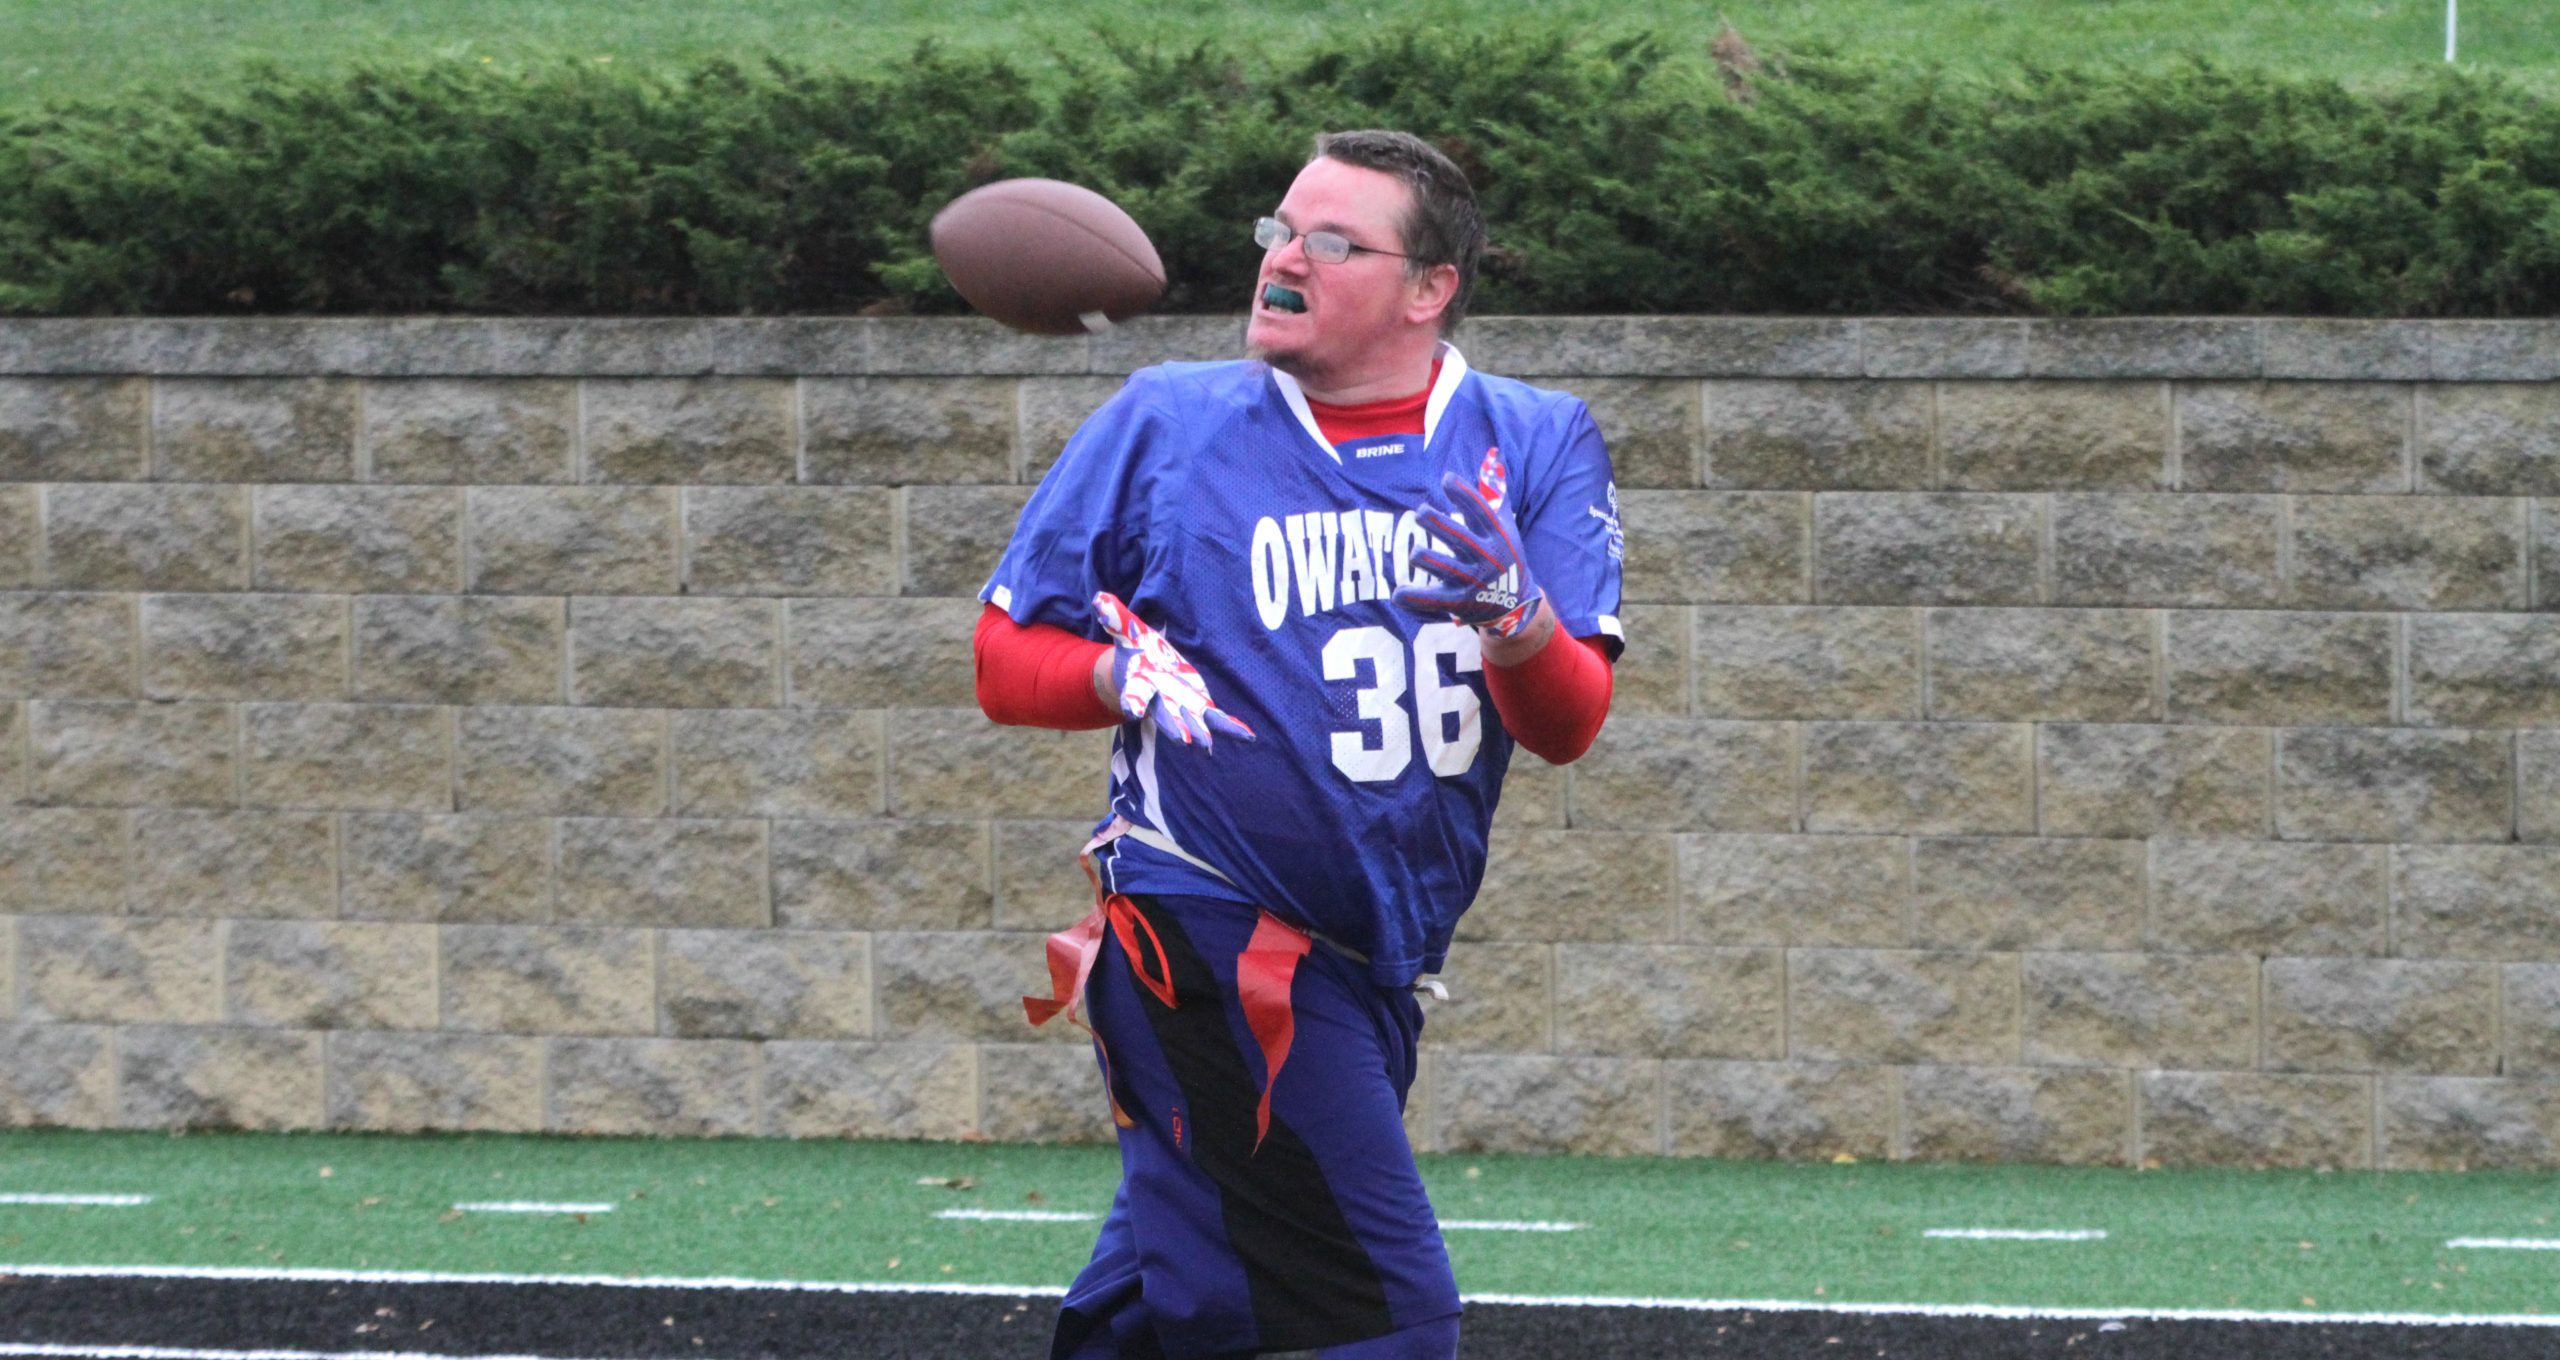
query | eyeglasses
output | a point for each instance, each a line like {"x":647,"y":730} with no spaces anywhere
{"x":1323,"y":247}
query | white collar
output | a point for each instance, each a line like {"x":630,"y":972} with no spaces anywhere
{"x":1453,"y":371}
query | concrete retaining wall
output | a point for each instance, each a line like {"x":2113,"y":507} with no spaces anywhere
{"x":2089,"y":742}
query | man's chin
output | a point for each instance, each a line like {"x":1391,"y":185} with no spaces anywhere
{"x":1279,"y":354}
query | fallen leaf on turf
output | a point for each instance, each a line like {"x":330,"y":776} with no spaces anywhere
{"x":949,"y":1182}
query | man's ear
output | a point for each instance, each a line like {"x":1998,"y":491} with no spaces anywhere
{"x":1427,"y":297}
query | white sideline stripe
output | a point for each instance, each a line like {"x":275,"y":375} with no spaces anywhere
{"x":177,"y":1353}
{"x":1997,"y":1311}
{"x":1018,"y":1215}
{"x":2507,"y":1243}
{"x":324,"y":1275}
{"x":1505,"y":1225}
{"x":2027,"y":1312}
{"x":2021,"y":1234}
{"x":528,"y":1206}
{"x":74,"y":1199}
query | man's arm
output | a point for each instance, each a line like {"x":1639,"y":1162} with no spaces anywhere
{"x":1040,"y":675}
{"x":1552,"y":692}
{"x":1552,"y":698}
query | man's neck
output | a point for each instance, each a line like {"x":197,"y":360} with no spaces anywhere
{"x":1399,"y":376}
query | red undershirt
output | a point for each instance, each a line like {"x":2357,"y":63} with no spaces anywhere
{"x":1041,"y":675}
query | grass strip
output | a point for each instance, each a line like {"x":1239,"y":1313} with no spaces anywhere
{"x":1655,"y":1228}
{"x":54,"y":51}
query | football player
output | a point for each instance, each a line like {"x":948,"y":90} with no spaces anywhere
{"x":1322,"y":592}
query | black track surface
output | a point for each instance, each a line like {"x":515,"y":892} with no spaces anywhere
{"x":599,"y":1322}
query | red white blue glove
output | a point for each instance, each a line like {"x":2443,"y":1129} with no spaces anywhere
{"x":1483,"y":580}
{"x":1154,"y":681}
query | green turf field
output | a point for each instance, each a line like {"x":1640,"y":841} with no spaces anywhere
{"x":50,"y":49}
{"x":845,"y":1212}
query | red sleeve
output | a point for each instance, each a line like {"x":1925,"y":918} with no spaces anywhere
{"x":1554,"y":702}
{"x":1038,"y":675}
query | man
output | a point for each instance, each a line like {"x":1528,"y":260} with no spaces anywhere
{"x":1295,"y":583}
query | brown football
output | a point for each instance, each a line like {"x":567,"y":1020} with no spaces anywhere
{"x":1045,"y":256}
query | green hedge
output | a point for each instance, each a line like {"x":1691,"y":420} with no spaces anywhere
{"x":1639,"y":176}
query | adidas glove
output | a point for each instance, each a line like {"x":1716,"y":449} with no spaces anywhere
{"x":1152,"y":680}
{"x":1483,"y":580}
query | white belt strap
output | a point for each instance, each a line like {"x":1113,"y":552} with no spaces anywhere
{"x":1156,"y":840}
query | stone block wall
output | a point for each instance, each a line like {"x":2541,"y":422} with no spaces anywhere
{"x":2110,"y":742}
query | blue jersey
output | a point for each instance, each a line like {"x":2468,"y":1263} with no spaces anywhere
{"x":1205,"y":497}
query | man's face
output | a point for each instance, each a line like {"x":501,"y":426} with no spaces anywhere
{"x":1351,"y":309}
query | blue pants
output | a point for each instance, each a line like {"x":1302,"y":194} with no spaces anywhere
{"x":1228,"y":1238}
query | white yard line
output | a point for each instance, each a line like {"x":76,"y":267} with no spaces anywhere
{"x":2507,"y":1243}
{"x":1061,"y":1216}
{"x":2018,"y":1312}
{"x":116,"y":1200}
{"x":527,"y":1206}
{"x":2021,"y":1234}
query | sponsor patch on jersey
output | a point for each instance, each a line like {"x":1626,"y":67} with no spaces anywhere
{"x":1617,"y":535}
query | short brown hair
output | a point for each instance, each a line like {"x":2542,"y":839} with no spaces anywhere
{"x":1443,"y":226}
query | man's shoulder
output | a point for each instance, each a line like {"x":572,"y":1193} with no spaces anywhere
{"x":1167,"y":405}
{"x":1516,"y":398}
{"x":1191,"y":382}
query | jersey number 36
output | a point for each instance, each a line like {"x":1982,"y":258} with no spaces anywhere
{"x":1436,"y":700}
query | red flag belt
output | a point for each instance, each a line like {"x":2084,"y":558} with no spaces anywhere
{"x":1265,"y":972}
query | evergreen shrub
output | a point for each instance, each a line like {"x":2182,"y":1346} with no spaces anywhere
{"x":1639,"y":175}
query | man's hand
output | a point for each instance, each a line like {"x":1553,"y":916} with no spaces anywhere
{"x":1484,"y":578}
{"x":1148,"y":677}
